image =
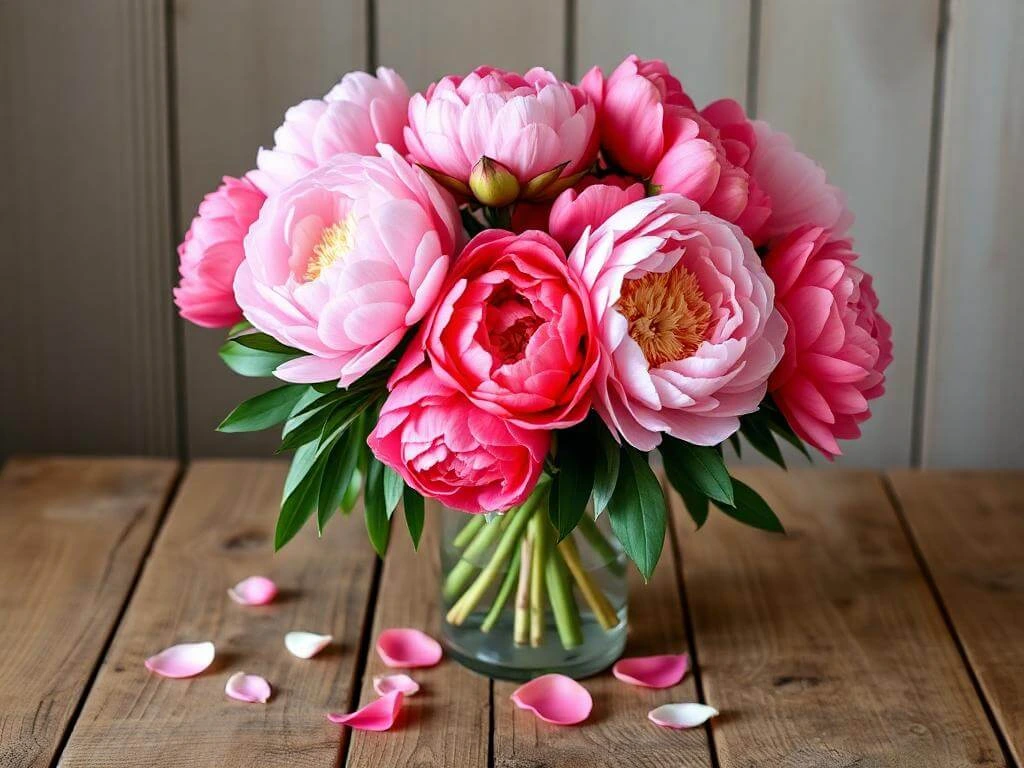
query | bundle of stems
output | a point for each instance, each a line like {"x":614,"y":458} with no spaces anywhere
{"x":532,"y":569}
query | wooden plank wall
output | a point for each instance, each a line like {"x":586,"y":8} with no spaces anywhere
{"x":916,"y":108}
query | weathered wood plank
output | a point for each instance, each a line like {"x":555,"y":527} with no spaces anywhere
{"x":618,"y":732}
{"x":824,"y":647}
{"x":969,"y":527}
{"x":219,"y":531}
{"x":73,"y":533}
{"x":447,"y":722}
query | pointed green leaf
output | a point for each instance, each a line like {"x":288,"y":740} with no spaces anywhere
{"x":263,"y":411}
{"x":574,"y":482}
{"x":378,"y":523}
{"x":637,"y":511}
{"x":337,"y":477}
{"x":266,"y":343}
{"x":700,"y":466}
{"x":751,"y":509}
{"x":351,"y":497}
{"x":301,"y":491}
{"x":252,"y":362}
{"x":755,"y":427}
{"x":393,"y":485}
{"x":737,"y":446}
{"x":412,"y":502}
{"x":606,"y":467}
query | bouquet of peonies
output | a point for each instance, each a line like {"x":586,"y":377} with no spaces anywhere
{"x":505,"y":292}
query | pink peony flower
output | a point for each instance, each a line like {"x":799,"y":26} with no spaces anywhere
{"x":344,"y":261}
{"x":685,"y":319}
{"x":536,"y":127}
{"x":356,"y":114}
{"x":512,"y":331}
{"x":212,"y":251}
{"x":450,"y":450}
{"x":838,"y":345}
{"x":590,"y":204}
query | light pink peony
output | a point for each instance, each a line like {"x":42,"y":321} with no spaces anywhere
{"x":512,"y":331}
{"x":356,"y":114}
{"x":532,"y":124}
{"x":344,"y":261}
{"x":685,"y":317}
{"x":589,"y":204}
{"x":450,"y":450}
{"x":838,"y":345}
{"x":211,"y":252}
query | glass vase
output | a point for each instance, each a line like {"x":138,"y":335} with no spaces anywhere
{"x":519,"y":603}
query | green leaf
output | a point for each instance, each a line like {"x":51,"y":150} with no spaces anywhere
{"x":264,"y":410}
{"x":737,"y":446}
{"x":304,"y":429}
{"x":378,"y":524}
{"x":393,"y":485}
{"x":348,"y":501}
{"x":778,"y":424}
{"x":637,"y":511}
{"x":751,"y":509}
{"x":337,"y":477}
{"x":574,"y":482}
{"x":412,"y":503}
{"x":252,"y":362}
{"x":239,"y":328}
{"x":471,"y":223}
{"x":301,"y":491}
{"x":606,"y":466}
{"x":756,"y":428}
{"x":700,"y":466}
{"x":262,"y":342}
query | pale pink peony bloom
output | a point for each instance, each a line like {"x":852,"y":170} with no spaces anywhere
{"x":448,"y":449}
{"x":838,"y":345}
{"x":685,"y":317}
{"x":356,"y":115}
{"x":512,"y":331}
{"x":539,"y":128}
{"x":211,"y":252}
{"x":590,"y":204}
{"x":344,"y":261}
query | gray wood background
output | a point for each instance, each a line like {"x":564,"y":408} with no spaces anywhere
{"x":116,"y":116}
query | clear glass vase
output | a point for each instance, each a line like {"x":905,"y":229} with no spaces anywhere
{"x":518,"y":603}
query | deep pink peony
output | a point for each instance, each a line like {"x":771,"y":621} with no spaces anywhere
{"x":532,"y":124}
{"x":589,"y":204}
{"x":211,"y":252}
{"x":450,"y":450}
{"x":344,"y":261}
{"x":512,"y":331}
{"x":356,"y":114}
{"x":838,"y":345}
{"x":685,"y":316}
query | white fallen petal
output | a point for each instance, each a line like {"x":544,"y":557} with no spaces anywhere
{"x":385,"y":684}
{"x":183,"y":660}
{"x":306,"y":645}
{"x":251,"y":688}
{"x":681,"y":715}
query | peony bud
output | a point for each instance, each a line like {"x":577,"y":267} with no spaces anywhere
{"x":493,"y":184}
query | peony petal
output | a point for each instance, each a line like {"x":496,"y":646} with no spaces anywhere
{"x":184,"y":660}
{"x":408,"y":648}
{"x":681,"y":715}
{"x":378,"y":715}
{"x":652,"y":671}
{"x":251,"y":688}
{"x":555,"y":699}
{"x":255,"y":590}
{"x":306,"y":645}
{"x":385,"y":684}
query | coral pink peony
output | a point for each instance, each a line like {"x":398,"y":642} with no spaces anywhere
{"x":450,"y":450}
{"x":838,"y":345}
{"x":344,"y":261}
{"x":513,"y":331}
{"x":211,"y":252}
{"x":356,"y":114}
{"x":589,"y":204}
{"x":685,"y":319}
{"x":536,"y":126}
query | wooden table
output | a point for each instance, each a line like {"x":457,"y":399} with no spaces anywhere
{"x":886,"y":629}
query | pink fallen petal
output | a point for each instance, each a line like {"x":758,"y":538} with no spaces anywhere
{"x":555,"y":699}
{"x":306,"y":645}
{"x":681,"y":715}
{"x":378,"y":715}
{"x":252,"y":688}
{"x":255,"y":590}
{"x":652,"y":671}
{"x":184,"y":660}
{"x":408,"y":648}
{"x":385,"y":684}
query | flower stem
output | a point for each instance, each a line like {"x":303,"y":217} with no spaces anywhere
{"x":507,"y":586}
{"x":601,"y":545}
{"x":563,"y":605}
{"x":469,"y":531}
{"x":521,"y":622}
{"x":539,"y":531}
{"x":599,"y":604}
{"x":462,"y":574}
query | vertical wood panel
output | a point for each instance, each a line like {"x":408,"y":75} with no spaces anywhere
{"x":85,"y":274}
{"x":240,"y":65}
{"x":972,"y":413}
{"x":703,"y":41}
{"x":852,"y":82}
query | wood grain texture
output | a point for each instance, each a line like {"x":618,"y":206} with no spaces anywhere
{"x":240,"y":65}
{"x":426,"y":41}
{"x":618,"y":732}
{"x":705,"y":42}
{"x":447,"y":723}
{"x":973,"y":414}
{"x":851,"y":82}
{"x":219,"y":531}
{"x":85,"y":271}
{"x":969,"y":527}
{"x":73,"y":533}
{"x":824,"y":647}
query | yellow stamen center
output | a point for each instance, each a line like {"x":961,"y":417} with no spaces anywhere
{"x":667,"y":313}
{"x":335,"y":242}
